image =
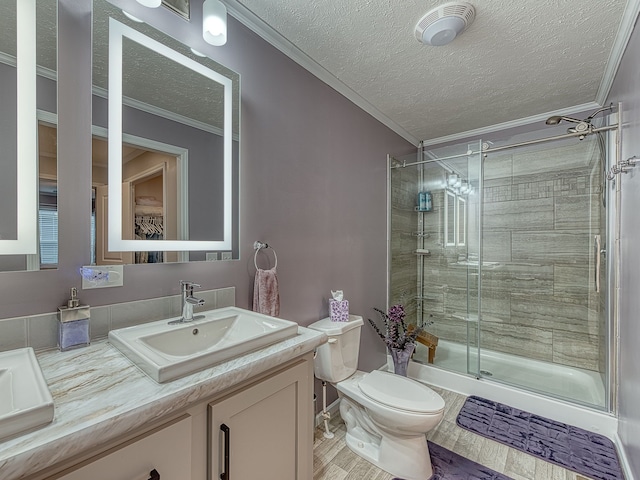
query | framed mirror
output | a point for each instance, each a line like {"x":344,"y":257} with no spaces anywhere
{"x":455,"y":219}
{"x":461,"y":223}
{"x":28,"y":158}
{"x":127,"y":48}
{"x":166,"y":138}
{"x":449,"y":218}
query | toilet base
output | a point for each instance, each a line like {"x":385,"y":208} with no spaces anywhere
{"x":406,"y":457}
{"x":409,"y":460}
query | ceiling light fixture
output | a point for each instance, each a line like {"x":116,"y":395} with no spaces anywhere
{"x":150,"y":3}
{"x":214,"y":22}
{"x":443,"y":24}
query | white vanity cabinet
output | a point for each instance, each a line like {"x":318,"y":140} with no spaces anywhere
{"x":270,"y":421}
{"x":165,"y":450}
{"x":264,"y":431}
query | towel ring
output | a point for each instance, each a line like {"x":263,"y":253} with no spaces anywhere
{"x":258,"y":246}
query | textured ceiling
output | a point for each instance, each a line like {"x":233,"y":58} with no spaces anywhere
{"x":518,"y":59}
{"x":157,"y":81}
{"x":149,"y":78}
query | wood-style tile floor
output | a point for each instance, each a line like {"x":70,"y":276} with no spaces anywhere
{"x":332,"y":459}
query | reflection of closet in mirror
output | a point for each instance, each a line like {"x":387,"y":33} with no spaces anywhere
{"x":151,"y":207}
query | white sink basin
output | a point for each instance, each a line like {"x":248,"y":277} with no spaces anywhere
{"x":166,"y":352}
{"x":25,"y":400}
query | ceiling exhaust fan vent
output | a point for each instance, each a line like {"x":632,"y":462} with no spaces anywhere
{"x":444,"y":23}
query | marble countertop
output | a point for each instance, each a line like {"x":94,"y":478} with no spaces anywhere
{"x":100,"y":395}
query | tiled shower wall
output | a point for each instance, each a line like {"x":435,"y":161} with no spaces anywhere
{"x":541,"y":210}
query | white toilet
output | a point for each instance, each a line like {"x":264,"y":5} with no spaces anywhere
{"x":387,"y":415}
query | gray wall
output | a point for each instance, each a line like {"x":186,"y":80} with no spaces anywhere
{"x":627,"y":89}
{"x":313,"y":176}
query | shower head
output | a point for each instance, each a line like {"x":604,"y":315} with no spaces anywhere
{"x":556,"y":119}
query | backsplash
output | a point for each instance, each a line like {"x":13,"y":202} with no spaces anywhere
{"x":41,"y":331}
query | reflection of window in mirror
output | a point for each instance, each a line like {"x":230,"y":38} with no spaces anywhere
{"x":47,"y":195}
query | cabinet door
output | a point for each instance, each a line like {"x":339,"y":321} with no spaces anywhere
{"x":268,"y":429}
{"x":166,"y":449}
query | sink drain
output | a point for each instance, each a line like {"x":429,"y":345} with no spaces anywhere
{"x":486,"y":373}
{"x":195,"y":331}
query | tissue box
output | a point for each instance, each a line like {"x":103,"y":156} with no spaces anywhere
{"x":339,"y":310}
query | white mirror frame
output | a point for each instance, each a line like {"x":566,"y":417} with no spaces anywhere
{"x":27,"y":124}
{"x":116,"y":243}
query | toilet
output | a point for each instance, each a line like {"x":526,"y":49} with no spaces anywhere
{"x":387,"y":415}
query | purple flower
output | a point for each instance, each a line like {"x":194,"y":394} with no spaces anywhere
{"x":396,"y":313}
{"x":396,"y":333}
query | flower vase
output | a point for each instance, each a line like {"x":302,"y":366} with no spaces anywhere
{"x":401,"y":357}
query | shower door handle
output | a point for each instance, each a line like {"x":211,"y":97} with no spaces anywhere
{"x":597,"y":250}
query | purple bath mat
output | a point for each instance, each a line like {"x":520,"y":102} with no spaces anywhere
{"x":570,"y":447}
{"x":448,"y":465}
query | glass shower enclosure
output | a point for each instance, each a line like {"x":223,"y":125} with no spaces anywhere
{"x":505,"y":264}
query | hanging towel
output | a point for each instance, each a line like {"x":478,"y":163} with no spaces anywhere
{"x":266,"y":297}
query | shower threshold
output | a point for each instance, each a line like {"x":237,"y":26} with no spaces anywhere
{"x":578,"y":384}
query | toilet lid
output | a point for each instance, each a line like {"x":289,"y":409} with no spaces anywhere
{"x":400,"y":392}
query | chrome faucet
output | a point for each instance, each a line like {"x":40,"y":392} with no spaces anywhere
{"x":188,"y":302}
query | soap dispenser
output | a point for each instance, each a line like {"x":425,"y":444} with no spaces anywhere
{"x":73,"y":323}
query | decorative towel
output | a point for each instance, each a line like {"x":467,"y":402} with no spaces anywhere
{"x":266,"y":297}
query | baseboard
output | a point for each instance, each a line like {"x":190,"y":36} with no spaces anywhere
{"x":333,"y":409}
{"x":622,"y":456}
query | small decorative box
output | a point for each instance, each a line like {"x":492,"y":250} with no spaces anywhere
{"x":339,"y":310}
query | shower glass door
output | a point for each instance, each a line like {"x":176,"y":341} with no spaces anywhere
{"x":505,"y":266}
{"x":435,"y":250}
{"x":544,"y":322}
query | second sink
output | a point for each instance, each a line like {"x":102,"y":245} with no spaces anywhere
{"x":166,"y":352}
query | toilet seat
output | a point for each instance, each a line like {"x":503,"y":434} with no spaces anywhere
{"x":400,"y":393}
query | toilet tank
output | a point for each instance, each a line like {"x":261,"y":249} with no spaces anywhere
{"x":338,"y":358}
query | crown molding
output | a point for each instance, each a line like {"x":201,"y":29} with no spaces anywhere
{"x":161,"y":112}
{"x":629,"y":16}
{"x":271,"y":36}
{"x":541,"y":117}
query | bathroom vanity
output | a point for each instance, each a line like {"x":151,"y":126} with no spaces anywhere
{"x":113,"y":421}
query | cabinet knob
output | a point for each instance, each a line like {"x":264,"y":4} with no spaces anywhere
{"x":154,"y":475}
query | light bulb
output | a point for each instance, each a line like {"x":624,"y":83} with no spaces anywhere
{"x":214,"y":25}
{"x":214,"y":22}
